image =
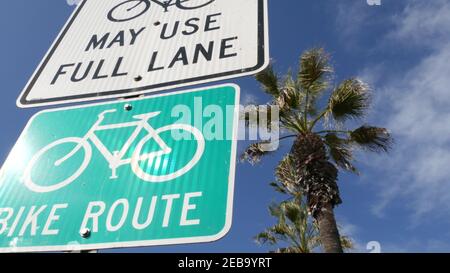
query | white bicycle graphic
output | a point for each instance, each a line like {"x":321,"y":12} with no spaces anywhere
{"x":116,"y":159}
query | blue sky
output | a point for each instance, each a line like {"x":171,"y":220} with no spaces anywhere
{"x":402,"y":48}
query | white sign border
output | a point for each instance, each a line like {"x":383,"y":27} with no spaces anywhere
{"x":147,"y":243}
{"x":263,"y":62}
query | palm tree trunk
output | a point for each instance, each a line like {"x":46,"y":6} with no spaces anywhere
{"x":329,"y":234}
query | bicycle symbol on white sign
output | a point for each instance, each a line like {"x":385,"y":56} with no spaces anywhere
{"x":116,"y":158}
{"x":129,"y":7}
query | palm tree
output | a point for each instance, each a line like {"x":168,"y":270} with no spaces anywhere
{"x":322,"y":142}
{"x":293,"y":227}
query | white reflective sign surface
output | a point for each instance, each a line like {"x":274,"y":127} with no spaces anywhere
{"x":117,"y":48}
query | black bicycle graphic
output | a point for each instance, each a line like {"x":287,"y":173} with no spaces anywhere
{"x":131,"y":9}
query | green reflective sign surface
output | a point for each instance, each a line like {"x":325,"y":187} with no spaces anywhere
{"x":150,"y":171}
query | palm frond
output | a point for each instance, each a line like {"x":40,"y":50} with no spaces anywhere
{"x":265,"y":238}
{"x":347,"y":243}
{"x":255,"y":152}
{"x":282,"y":230}
{"x":269,"y":81}
{"x":287,"y":174}
{"x":292,"y":122}
{"x":314,"y":242}
{"x":349,"y":100}
{"x":293,"y":212}
{"x":315,"y":70}
{"x":340,"y":152}
{"x":288,"y":250}
{"x":275,"y":210}
{"x":279,"y":188}
{"x":294,"y":229}
{"x":373,"y":139}
{"x":290,"y":97}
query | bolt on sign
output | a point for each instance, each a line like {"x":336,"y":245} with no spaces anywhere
{"x":142,"y":172}
{"x":120,"y":48}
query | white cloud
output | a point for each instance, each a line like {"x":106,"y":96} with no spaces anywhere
{"x":350,"y":19}
{"x":423,"y":23}
{"x":353,"y":19}
{"x":249,"y":99}
{"x":415,"y":105}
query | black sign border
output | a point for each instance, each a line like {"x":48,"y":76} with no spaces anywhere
{"x":23,"y":102}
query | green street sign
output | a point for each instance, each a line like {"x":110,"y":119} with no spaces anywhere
{"x":149,"y":171}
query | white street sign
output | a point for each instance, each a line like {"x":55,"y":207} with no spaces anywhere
{"x":119,"y":48}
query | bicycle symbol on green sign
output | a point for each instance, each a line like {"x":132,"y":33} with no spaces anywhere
{"x":132,"y":9}
{"x":116,"y":158}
